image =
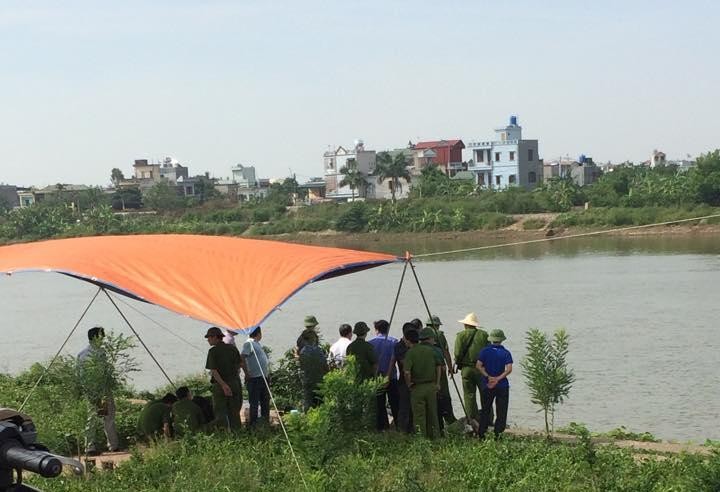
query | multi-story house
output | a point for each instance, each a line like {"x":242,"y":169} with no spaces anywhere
{"x":446,"y":154}
{"x":335,"y":160}
{"x":508,"y":160}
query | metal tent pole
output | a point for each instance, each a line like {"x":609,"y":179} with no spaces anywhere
{"x":57,"y":354}
{"x":138,"y":337}
{"x":450,"y":371}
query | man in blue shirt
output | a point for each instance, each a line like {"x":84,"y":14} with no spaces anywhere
{"x":384,"y":348}
{"x":256,"y":372}
{"x":495,"y":364}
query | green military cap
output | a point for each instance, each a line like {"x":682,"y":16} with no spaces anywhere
{"x":310,"y":321}
{"x":496,"y":336}
{"x":434,"y":321}
{"x":361,"y":328}
{"x":426,"y":333}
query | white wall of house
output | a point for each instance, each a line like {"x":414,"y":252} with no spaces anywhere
{"x":508,"y":160}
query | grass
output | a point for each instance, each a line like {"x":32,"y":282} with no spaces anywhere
{"x":393,"y":462}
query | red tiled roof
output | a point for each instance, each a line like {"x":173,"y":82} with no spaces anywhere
{"x":439,"y":143}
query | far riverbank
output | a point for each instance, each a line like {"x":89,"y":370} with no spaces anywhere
{"x":426,"y":242}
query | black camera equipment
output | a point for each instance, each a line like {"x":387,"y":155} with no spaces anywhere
{"x":19,"y":451}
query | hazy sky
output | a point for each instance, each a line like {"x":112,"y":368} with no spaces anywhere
{"x":91,"y":85}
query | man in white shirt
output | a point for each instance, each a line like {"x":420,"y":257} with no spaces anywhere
{"x":338,"y":350}
{"x":256,"y":372}
{"x":101,"y":400}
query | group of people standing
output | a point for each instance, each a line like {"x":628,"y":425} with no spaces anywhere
{"x":417,"y":368}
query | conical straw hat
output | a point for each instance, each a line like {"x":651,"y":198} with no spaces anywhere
{"x":470,"y":319}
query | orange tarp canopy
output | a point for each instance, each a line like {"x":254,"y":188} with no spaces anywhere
{"x":230,"y":282}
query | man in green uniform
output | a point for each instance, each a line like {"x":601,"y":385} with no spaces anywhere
{"x":309,"y":334}
{"x":422,"y":374}
{"x":155,"y":419}
{"x":224,"y":363}
{"x":364,"y":353}
{"x":313,"y":367}
{"x":468,"y":345}
{"x":187,"y":416}
{"x":445,"y":409}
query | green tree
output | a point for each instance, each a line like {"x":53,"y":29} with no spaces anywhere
{"x":392,"y":168}
{"x":163,"y":196}
{"x":559,"y":194}
{"x":706,"y":178}
{"x":205,"y":190}
{"x":116,"y":175}
{"x":546,"y":371}
{"x":352,"y":177}
{"x":127,"y":198}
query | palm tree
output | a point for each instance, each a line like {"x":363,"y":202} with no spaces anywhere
{"x":352,"y":177}
{"x":392,"y":168}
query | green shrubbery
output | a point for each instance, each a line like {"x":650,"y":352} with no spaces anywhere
{"x":337,"y":450}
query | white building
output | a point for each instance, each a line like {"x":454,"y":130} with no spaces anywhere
{"x":336,"y":159}
{"x":508,"y":160}
{"x":244,"y":176}
{"x":658,"y":158}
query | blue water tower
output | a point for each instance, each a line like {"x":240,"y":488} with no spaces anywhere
{"x":513,"y":120}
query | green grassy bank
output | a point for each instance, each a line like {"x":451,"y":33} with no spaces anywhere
{"x":338,"y":450}
{"x":392,"y":462}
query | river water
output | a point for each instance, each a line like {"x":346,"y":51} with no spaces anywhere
{"x":642,"y":313}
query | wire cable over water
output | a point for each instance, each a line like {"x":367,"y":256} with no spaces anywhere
{"x":557,"y":238}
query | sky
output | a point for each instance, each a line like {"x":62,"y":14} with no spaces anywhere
{"x":87,"y":86}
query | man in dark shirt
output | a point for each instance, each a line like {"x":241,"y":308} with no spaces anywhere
{"x":224,"y":363}
{"x":313,"y":367}
{"x":309,"y":334}
{"x":365,"y":357}
{"x":405,"y":419}
{"x":495,"y":364}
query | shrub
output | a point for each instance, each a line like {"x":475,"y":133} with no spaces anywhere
{"x":546,"y":371}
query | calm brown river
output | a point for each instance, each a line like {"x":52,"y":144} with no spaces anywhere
{"x":643,"y":315}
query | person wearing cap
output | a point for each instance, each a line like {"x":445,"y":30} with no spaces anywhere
{"x":495,"y":363}
{"x":445,"y":409}
{"x":363,"y":352}
{"x":338,"y":350}
{"x":308,"y":334}
{"x":384,"y":347}
{"x":224,"y":363}
{"x":313,"y":367}
{"x":256,"y":373}
{"x":404,"y":422}
{"x":468,"y":345}
{"x":422,"y":369}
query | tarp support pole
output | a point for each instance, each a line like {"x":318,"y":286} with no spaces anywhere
{"x":397,"y":296}
{"x":138,"y":337}
{"x":57,"y":354}
{"x":449,"y":369}
{"x":282,"y":424}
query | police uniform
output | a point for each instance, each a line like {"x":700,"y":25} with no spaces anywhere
{"x":225,"y":359}
{"x":468,"y":345}
{"x":421,"y":362}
